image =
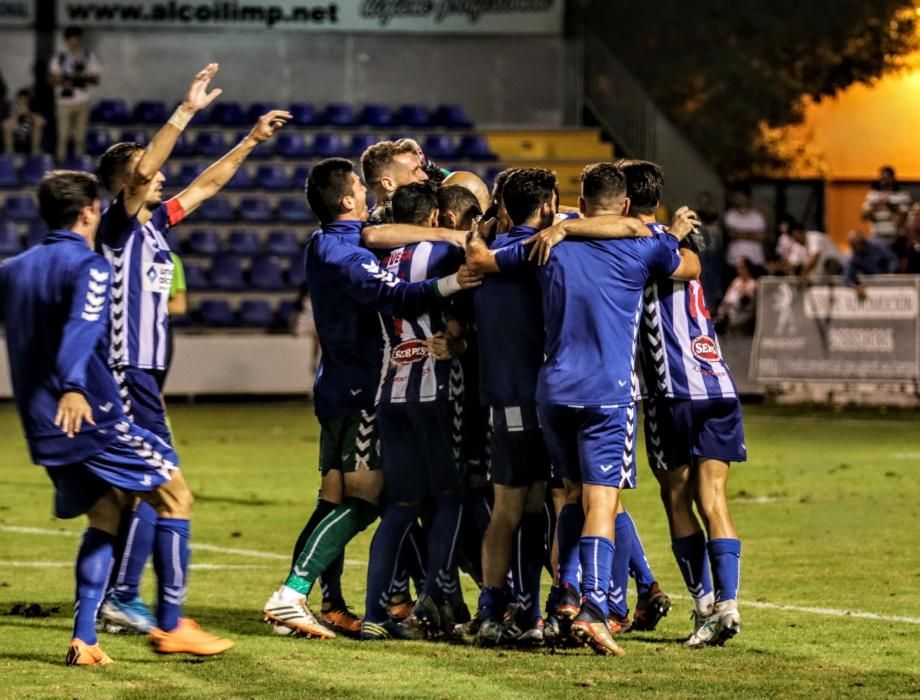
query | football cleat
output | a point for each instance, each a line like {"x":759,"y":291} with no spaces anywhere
{"x":188,"y":638}
{"x":461,"y":614}
{"x":400,"y":607}
{"x":569,"y":603}
{"x":590,"y":629}
{"x":132,"y":617}
{"x":470,"y":630}
{"x":341,"y":620}
{"x":618,"y":625}
{"x":82,"y":654}
{"x":425,"y":619}
{"x":525,"y":632}
{"x":650,"y":608}
{"x":490,"y":633}
{"x":550,"y":629}
{"x":389,"y":629}
{"x":715,"y":629}
{"x":295,"y":615}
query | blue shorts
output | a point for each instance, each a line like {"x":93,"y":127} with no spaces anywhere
{"x":420,"y":449}
{"x":140,"y":395}
{"x":591,"y":444}
{"x":136,"y":461}
{"x":518,"y":452}
{"x":680,"y":431}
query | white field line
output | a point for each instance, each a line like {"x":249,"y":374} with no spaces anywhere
{"x":10,"y":564}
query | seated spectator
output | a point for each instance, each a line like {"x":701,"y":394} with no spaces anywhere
{"x":869,"y":257}
{"x":886,"y":206}
{"x":803,"y":253}
{"x":745,"y":229}
{"x":737,"y":312}
{"x":23,"y":129}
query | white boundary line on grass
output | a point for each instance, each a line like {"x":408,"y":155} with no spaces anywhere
{"x":11,"y":564}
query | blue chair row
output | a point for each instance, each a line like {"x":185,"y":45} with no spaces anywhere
{"x":226,"y":274}
{"x":292,"y":210}
{"x":252,"y":313}
{"x":32,"y":170}
{"x":450,"y":116}
{"x":242,"y":242}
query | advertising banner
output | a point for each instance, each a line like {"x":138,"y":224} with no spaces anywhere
{"x":16,"y":13}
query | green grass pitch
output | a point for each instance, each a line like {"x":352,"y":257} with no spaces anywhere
{"x":828,"y":509}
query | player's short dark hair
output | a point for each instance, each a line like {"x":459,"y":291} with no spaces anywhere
{"x":113,"y":164}
{"x":526,"y":190}
{"x":62,"y":194}
{"x":498,"y":186}
{"x":602,"y":184}
{"x":73,"y":31}
{"x":459,"y":201}
{"x":327,"y":184}
{"x":644,"y":181}
{"x":414,"y":203}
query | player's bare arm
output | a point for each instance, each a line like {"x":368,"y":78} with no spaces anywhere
{"x":689,"y":268}
{"x":387,"y":236}
{"x":684,"y":223}
{"x":606,"y":226}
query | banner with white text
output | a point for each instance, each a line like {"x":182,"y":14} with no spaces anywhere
{"x":16,"y":13}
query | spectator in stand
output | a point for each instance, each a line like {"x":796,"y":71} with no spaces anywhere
{"x":738,"y":309}
{"x":712,"y":259}
{"x":869,"y":257}
{"x":23,"y":129}
{"x":745,"y":229}
{"x":886,"y":206}
{"x":907,"y":244}
{"x":74,"y":71}
{"x":803,"y":253}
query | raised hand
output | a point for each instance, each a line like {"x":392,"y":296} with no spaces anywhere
{"x":269,"y":123}
{"x":198,"y":98}
{"x":685,"y":221}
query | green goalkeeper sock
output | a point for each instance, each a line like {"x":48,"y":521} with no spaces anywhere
{"x":328,"y":541}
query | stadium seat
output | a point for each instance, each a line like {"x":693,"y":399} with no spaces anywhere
{"x":83,"y":163}
{"x":195,"y":278}
{"x":266,"y":274}
{"x":451,"y":117}
{"x":227,"y":274}
{"x":150,"y":112}
{"x":414,"y":116}
{"x":97,"y":140}
{"x":272,"y":177}
{"x":439,"y":146}
{"x":227,"y":114}
{"x":203,"y":241}
{"x":10,"y":244}
{"x":217,"y":209}
{"x":184,"y":148}
{"x":299,"y":177}
{"x":243,"y":242}
{"x":21,"y":208}
{"x":188,"y":172}
{"x":255,"y":209}
{"x":283,"y":314}
{"x":110,"y":112}
{"x":328,"y":146}
{"x":339,"y":114}
{"x":256,"y":313}
{"x":303,"y":114}
{"x":241,"y":180}
{"x":379,"y":116}
{"x":34,"y":169}
{"x":294,"y":210}
{"x":216,"y":312}
{"x":36,"y":234}
{"x":8,"y":176}
{"x":281,"y":242}
{"x":475,"y":147}
{"x":210,"y":143}
{"x":257,"y":109}
{"x":134,"y":136}
{"x":291,"y":144}
{"x":361,"y":142}
{"x":297,"y":273}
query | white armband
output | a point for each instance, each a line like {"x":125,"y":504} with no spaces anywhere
{"x":447,"y":285}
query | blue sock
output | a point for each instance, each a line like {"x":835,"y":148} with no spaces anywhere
{"x":639,"y":567}
{"x":725,"y":555}
{"x":492,"y":603}
{"x":383,"y":560}
{"x":170,"y":560}
{"x":690,"y":553}
{"x":416,"y":556}
{"x":134,"y":552}
{"x":619,"y":571}
{"x":596,"y":554}
{"x":527,"y":564}
{"x":568,"y":533}
{"x":330,"y":581}
{"x":94,"y":562}
{"x":443,"y":533}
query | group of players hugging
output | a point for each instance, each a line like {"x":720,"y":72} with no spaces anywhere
{"x":477,"y":394}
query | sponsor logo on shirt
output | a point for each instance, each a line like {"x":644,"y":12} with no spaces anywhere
{"x":409,"y":352}
{"x":158,"y":277}
{"x":705,"y":349}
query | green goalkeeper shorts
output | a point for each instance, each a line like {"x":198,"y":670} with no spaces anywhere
{"x":349,"y":443}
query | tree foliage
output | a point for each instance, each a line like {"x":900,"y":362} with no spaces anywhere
{"x":721,"y":70}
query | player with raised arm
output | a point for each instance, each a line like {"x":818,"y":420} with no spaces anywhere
{"x":54,"y":299}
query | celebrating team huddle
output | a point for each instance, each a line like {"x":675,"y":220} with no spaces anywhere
{"x":477,"y":393}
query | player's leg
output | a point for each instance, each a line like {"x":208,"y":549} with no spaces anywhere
{"x":617,"y":603}
{"x":527,"y":626}
{"x":652,"y":603}
{"x":553,"y":506}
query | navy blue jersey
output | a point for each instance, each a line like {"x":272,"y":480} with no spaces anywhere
{"x":592,"y":300}
{"x":54,"y":300}
{"x":509,"y":322}
{"x":142,"y":270}
{"x":410,"y":374}
{"x":347,"y":290}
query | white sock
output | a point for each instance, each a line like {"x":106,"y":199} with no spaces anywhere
{"x":704,"y":605}
{"x":290,"y":594}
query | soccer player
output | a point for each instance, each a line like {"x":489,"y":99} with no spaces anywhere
{"x":347,"y":289}
{"x":693,"y":430}
{"x":54,"y":299}
{"x":472,"y":183}
{"x":386,"y":166}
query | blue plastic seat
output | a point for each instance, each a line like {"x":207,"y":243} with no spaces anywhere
{"x":203,"y":241}
{"x":134,"y":136}
{"x":195,"y":277}
{"x":110,"y":112}
{"x":150,"y":112}
{"x":414,"y":116}
{"x":21,"y":208}
{"x":297,"y":270}
{"x":217,"y":209}
{"x":281,"y":242}
{"x":36,"y":234}
{"x":83,"y":163}
{"x":303,"y":114}
{"x":256,"y":210}
{"x":210,"y":143}
{"x":339,"y":114}
{"x":326,"y":145}
{"x":216,"y":312}
{"x":34,"y":169}
{"x":299,"y":177}
{"x":294,"y":210}
{"x":8,"y":175}
{"x":184,"y":148}
{"x":10,"y":243}
{"x":257,"y":109}
{"x":243,"y":242}
{"x":227,"y":114}
{"x":241,"y":180}
{"x":227,"y":274}
{"x":475,"y":147}
{"x":97,"y":141}
{"x":291,"y":144}
{"x":266,"y":274}
{"x":272,"y":177}
{"x":187,"y":173}
{"x":256,"y":313}
{"x":284,"y":312}
{"x":439,"y":146}
{"x":379,"y":116}
{"x":361,"y":142}
{"x":450,"y":116}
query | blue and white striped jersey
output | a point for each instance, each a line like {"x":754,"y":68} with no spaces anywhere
{"x":142,"y":271}
{"x":409,"y":373}
{"x":679,"y":349}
